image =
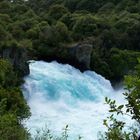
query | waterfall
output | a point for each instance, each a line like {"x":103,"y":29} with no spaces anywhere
{"x":60,"y":94}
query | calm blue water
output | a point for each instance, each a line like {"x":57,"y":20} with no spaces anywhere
{"x":60,"y":94}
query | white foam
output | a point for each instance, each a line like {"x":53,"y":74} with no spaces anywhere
{"x":60,"y":94}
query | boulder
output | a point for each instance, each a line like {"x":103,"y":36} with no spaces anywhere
{"x":81,"y":52}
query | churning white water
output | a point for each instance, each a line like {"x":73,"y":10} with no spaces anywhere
{"x":60,"y":94}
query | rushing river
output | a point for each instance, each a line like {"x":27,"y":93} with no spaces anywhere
{"x":60,"y":94}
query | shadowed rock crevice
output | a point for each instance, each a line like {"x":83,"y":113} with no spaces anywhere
{"x":18,"y":58}
{"x":82,"y":54}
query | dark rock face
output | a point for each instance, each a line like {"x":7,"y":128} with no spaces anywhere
{"x":82,"y":54}
{"x":18,"y":58}
{"x":78,"y":55}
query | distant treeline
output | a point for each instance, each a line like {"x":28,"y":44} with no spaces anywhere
{"x":45,"y":26}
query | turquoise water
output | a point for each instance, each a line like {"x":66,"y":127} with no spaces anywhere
{"x":60,"y":94}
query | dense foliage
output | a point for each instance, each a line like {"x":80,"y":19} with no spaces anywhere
{"x":13,"y":107}
{"x":47,"y":27}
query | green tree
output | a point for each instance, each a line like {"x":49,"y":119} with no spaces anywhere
{"x":13,"y":107}
{"x":10,"y":128}
{"x":7,"y":75}
{"x":116,"y":128}
{"x":122,"y":62}
{"x":5,"y":7}
{"x":14,"y":103}
{"x":49,"y":36}
{"x":56,"y":12}
{"x":63,"y":32}
{"x":85,"y":26}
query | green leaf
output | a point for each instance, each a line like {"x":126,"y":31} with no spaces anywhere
{"x":120,"y":107}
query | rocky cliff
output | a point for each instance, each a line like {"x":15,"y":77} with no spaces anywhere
{"x":81,"y":53}
{"x":18,"y":58}
{"x":77,"y":55}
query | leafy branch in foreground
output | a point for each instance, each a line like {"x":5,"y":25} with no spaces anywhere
{"x":119,"y":130}
{"x":46,"y":134}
